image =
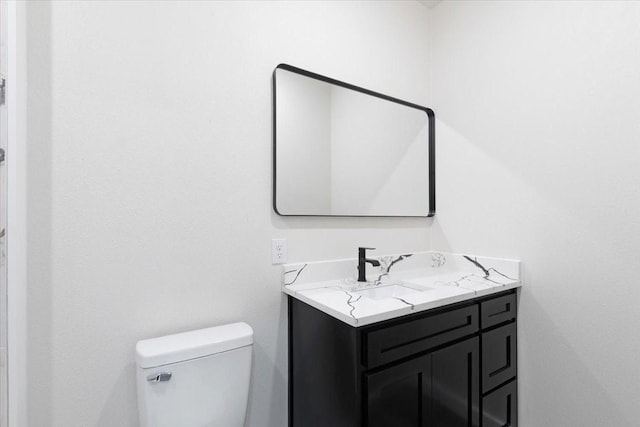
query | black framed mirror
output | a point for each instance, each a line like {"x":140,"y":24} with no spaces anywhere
{"x":341,"y":150}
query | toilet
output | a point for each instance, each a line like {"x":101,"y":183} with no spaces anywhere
{"x":197,"y":378}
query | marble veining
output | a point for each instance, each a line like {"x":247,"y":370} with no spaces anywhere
{"x":297,"y":272}
{"x":386,"y":262}
{"x":350,"y":301}
{"x":438,"y":259}
{"x":419,"y":281}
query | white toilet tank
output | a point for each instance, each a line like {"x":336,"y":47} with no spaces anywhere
{"x":195,"y":379}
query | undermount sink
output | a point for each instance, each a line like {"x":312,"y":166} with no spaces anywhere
{"x":390,"y":291}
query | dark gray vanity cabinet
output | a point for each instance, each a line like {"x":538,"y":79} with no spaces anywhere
{"x":448,"y":367}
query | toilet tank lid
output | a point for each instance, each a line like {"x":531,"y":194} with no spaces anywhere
{"x":160,"y":351}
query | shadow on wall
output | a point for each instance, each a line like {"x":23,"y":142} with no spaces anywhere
{"x":276,"y":398}
{"x":538,"y":392}
{"x":122,"y":400}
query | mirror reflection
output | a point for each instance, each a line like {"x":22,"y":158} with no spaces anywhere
{"x":341,"y":150}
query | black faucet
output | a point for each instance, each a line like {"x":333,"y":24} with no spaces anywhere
{"x":362,"y":263}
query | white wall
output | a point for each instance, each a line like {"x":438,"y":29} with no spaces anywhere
{"x":149,"y":203}
{"x":539,"y":158}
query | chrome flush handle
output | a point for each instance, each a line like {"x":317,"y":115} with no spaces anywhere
{"x":162,"y":376}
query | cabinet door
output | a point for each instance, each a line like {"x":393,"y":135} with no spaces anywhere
{"x":455,"y":376}
{"x":400,"y":396}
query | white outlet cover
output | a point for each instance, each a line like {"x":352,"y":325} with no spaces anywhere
{"x":278,"y":251}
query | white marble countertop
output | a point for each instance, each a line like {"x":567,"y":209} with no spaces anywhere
{"x":401,"y":285}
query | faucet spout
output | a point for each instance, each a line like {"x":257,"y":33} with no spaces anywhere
{"x":362,"y":263}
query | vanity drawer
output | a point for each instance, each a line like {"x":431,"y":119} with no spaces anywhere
{"x":499,"y":358}
{"x":405,"y":339}
{"x":500,"y":409}
{"x":497,"y":310}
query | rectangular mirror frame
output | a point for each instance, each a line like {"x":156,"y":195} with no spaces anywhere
{"x":431,"y":142}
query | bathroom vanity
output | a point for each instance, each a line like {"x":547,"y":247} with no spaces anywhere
{"x":425,"y":339}
{"x":445,"y":359}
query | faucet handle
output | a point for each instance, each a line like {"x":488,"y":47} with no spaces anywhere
{"x":362,"y":252}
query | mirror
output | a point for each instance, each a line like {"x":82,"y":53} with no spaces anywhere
{"x":341,"y":150}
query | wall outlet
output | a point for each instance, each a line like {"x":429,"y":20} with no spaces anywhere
{"x":278,"y":251}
